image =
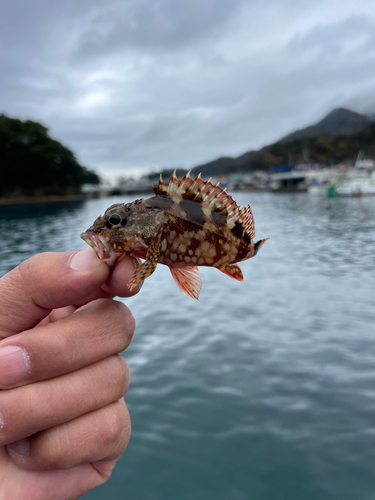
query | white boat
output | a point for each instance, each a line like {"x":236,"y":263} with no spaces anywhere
{"x":357,"y":186}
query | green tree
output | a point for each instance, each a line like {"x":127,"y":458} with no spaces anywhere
{"x":32,"y":163}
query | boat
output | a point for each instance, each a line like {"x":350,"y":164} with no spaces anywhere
{"x":360,"y":181}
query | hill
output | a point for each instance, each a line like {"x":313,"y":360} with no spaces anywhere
{"x":337,"y":137}
{"x":33,"y":163}
{"x":325,"y":149}
{"x":338,"y":121}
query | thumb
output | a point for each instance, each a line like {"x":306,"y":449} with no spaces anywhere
{"x":47,"y":281}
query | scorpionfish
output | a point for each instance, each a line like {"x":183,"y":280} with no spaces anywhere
{"x":188,"y":223}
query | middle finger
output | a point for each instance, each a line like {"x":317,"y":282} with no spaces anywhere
{"x":95,"y":331}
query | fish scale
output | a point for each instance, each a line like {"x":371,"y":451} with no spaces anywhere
{"x":188,"y":223}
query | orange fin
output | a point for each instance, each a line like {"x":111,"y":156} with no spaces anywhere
{"x":205,"y":193}
{"x":233,"y":271}
{"x":188,"y":280}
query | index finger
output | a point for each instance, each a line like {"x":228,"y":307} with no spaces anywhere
{"x":47,"y":281}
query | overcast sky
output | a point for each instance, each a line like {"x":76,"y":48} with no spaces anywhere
{"x":131,"y":84}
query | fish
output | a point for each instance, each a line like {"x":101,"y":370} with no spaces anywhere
{"x":188,"y":223}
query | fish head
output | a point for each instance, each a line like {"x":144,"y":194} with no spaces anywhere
{"x":124,"y":228}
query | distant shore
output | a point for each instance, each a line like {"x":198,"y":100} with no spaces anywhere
{"x":20,"y":200}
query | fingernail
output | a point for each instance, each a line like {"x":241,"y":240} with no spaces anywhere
{"x":84,"y":260}
{"x":14,"y":365}
{"x":21,"y":447}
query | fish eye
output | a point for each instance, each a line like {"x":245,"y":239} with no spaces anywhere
{"x":114,"y":220}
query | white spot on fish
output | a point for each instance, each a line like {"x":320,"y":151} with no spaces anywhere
{"x":205,"y":246}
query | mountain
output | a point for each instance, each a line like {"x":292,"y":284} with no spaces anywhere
{"x":325,"y":149}
{"x":337,"y":137}
{"x":338,"y":121}
{"x":223,"y":165}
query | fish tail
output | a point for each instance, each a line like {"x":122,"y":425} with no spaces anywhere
{"x":258,"y":245}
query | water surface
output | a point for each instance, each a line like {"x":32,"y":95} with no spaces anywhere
{"x":263,"y":390}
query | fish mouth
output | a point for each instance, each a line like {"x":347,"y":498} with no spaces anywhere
{"x":99,"y":245}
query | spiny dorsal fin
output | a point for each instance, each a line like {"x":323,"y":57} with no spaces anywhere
{"x":245,"y":218}
{"x":205,"y":193}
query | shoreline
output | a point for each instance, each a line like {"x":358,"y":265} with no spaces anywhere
{"x":23,"y":200}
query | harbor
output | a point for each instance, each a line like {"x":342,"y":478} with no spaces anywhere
{"x":343,"y":179}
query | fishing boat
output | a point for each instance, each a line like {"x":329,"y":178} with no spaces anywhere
{"x":360,"y":181}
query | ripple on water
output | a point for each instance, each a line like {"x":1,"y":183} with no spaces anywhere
{"x":261,"y":390}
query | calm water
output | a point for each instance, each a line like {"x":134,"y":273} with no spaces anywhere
{"x":263,"y":390}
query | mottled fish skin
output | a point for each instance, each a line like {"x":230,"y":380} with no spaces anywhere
{"x":187,"y":223}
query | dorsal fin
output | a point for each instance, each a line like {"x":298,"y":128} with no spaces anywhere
{"x":245,"y":218}
{"x":205,"y":193}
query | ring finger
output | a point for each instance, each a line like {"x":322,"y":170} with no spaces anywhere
{"x":36,"y":407}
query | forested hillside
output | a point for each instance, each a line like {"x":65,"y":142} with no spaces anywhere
{"x":336,"y":138}
{"x":32,"y":163}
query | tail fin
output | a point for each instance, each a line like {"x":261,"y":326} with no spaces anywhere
{"x":258,"y":245}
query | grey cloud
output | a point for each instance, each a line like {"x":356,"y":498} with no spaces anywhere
{"x":337,"y":39}
{"x":127,"y":83}
{"x":154,"y":25}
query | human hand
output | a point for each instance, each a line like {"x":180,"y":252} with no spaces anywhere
{"x":63,"y":420}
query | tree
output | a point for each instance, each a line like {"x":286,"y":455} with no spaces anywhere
{"x":33,"y":163}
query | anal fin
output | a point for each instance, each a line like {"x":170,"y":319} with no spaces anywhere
{"x":233,"y":271}
{"x":188,"y":280}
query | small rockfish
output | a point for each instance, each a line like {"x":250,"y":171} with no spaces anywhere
{"x":187,"y":223}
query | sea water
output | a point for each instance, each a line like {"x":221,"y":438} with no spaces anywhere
{"x":262,"y":390}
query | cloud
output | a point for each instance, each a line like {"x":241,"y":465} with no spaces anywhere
{"x":153,"y":25}
{"x":157,"y":83}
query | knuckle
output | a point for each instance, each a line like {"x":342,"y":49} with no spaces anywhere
{"x":47,"y":459}
{"x":28,"y":270}
{"x":127,"y":329}
{"x":120,"y":374}
{"x":117,"y":432}
{"x":118,"y":320}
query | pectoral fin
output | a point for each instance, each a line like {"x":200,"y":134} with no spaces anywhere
{"x":233,"y":271}
{"x":188,"y":280}
{"x":149,"y":265}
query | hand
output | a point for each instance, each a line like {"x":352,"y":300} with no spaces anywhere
{"x":63,"y":419}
